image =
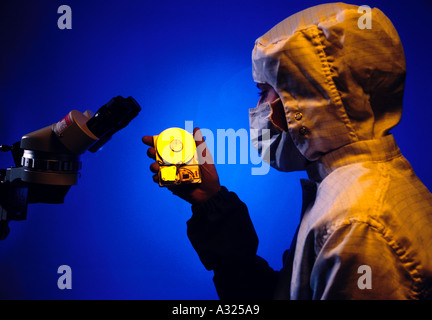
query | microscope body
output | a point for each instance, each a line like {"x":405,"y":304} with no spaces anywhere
{"x":47,"y":161}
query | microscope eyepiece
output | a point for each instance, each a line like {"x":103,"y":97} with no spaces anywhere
{"x":111,"y":117}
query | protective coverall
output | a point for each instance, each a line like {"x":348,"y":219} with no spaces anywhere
{"x":366,"y":222}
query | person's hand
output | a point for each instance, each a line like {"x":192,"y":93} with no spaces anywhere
{"x":193,"y":193}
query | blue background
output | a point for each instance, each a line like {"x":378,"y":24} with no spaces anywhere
{"x":123,"y":236}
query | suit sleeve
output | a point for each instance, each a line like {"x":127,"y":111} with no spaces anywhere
{"x":357,"y":261}
{"x":223,"y":235}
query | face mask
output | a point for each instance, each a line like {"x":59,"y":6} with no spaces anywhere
{"x":274,"y":145}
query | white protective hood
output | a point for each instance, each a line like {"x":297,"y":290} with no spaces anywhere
{"x":339,"y":84}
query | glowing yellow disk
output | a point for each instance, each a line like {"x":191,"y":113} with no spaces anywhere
{"x":175,"y":146}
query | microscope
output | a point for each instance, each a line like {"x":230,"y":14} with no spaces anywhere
{"x":47,"y":161}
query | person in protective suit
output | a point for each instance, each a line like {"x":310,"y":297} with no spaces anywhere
{"x":331,"y":93}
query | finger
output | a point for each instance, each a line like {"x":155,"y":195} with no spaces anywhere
{"x":155,"y":178}
{"x":151,"y":153}
{"x":148,"y":140}
{"x":204,"y":155}
{"x":154,"y":167}
{"x":198,"y":137}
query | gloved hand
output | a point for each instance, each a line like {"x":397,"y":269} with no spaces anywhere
{"x":192,"y":193}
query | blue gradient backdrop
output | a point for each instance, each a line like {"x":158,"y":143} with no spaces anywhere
{"x":123,"y":236}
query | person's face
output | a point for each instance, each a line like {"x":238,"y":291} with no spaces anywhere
{"x":268,"y":94}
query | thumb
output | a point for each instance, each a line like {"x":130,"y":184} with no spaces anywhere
{"x":204,"y":155}
{"x":210,"y":179}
